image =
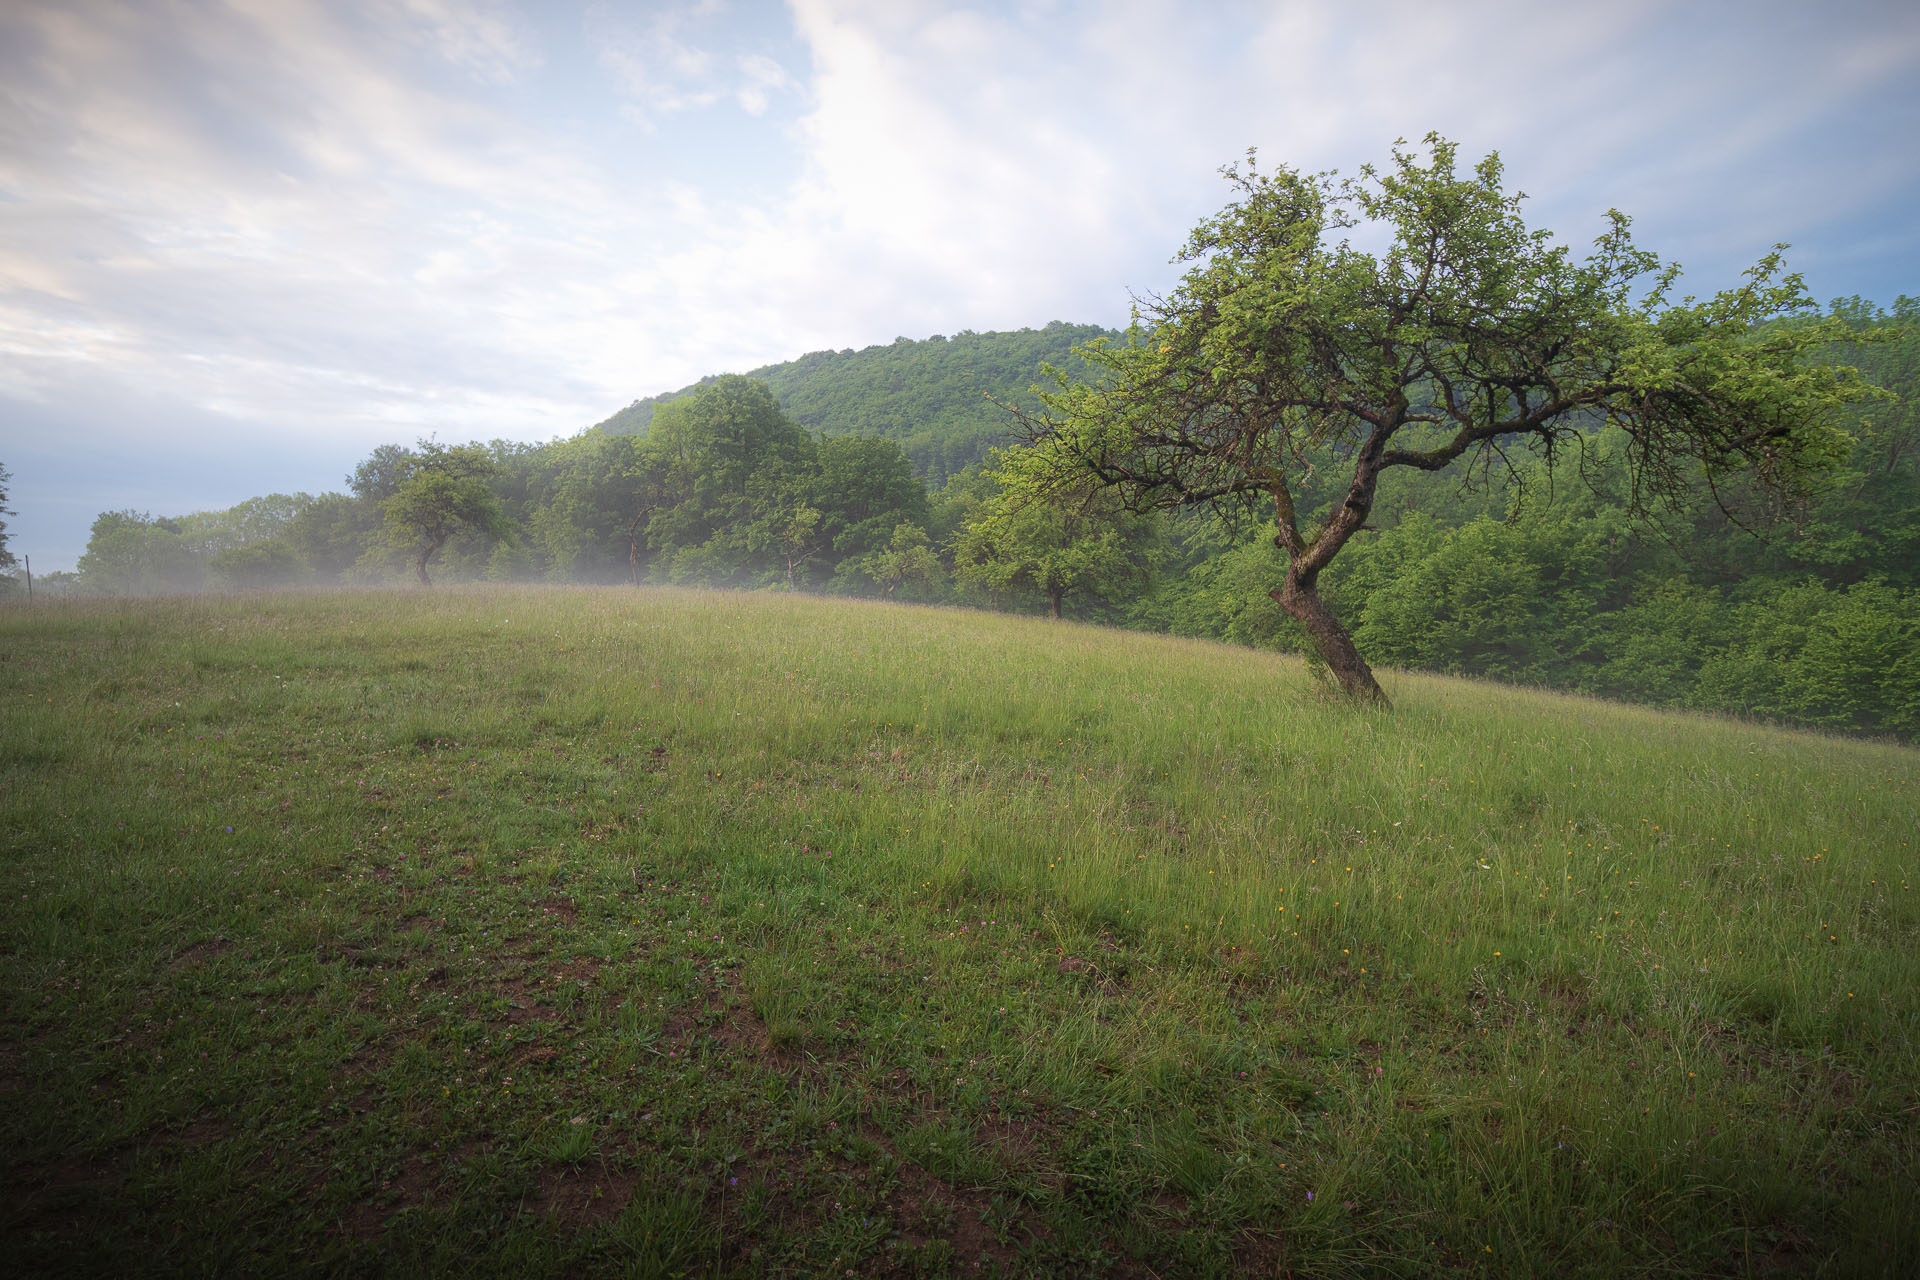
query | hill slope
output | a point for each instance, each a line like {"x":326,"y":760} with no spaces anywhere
{"x":614,"y":931}
{"x":931,"y":396}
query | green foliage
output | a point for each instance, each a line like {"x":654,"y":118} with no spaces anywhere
{"x":865,"y":489}
{"x":130,"y":552}
{"x":7,"y":558}
{"x":940,"y":400}
{"x":257,"y":566}
{"x":434,"y":492}
{"x":907,"y":568}
{"x":1541,"y":569}
{"x":331,"y":534}
{"x":1286,"y":347}
{"x":1811,"y":654}
{"x":1057,"y":544}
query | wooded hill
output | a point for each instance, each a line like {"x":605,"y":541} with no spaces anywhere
{"x":854,"y":473}
{"x":940,"y":399}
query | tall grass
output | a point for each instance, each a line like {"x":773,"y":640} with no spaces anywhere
{"x":1106,"y":950}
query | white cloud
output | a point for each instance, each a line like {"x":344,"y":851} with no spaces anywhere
{"x":355,"y":222}
{"x":483,"y":37}
{"x":759,"y":77}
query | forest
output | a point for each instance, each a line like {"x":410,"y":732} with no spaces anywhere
{"x":880,"y":473}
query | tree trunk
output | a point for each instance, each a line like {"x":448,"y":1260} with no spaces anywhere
{"x":1054,"y":597}
{"x":1302,"y":600}
{"x":426,"y":554}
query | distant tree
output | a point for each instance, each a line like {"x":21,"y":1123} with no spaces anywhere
{"x":440,"y":490}
{"x":864,"y":489}
{"x":797,"y":530}
{"x":130,"y":552}
{"x":909,"y":560}
{"x":595,"y":493}
{"x":7,"y":560}
{"x":331,"y":534}
{"x":257,"y":566}
{"x":1285,"y":346}
{"x":1060,"y":542}
{"x":732,"y":469}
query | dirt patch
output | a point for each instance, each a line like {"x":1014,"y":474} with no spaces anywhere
{"x":928,"y":1209}
{"x":519,"y":1012}
{"x":1091,"y":976}
{"x":583,"y":1197}
{"x":202,"y":1130}
{"x":410,"y":1186}
{"x":579,"y":969}
{"x":560,"y":907}
{"x":199,"y":953}
{"x":1016,"y":1141}
{"x":744,"y":1030}
{"x":1567,"y":992}
{"x":1260,"y":1253}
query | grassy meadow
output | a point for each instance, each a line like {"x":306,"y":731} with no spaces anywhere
{"x":570,"y":931}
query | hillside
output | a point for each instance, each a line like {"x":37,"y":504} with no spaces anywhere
{"x":668,"y":932}
{"x":930,"y":396}
{"x":1536,"y":571}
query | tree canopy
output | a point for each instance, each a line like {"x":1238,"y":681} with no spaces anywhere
{"x":1060,"y":543}
{"x":1290,"y":364}
{"x":434,"y":492}
{"x":935,"y":398}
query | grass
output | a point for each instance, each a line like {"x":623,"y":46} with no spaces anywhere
{"x":662,"y":933}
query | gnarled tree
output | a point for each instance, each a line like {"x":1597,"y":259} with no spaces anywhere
{"x":437,"y":491}
{"x":1287,"y":352}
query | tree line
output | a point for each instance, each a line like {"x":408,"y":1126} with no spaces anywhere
{"x":1530,"y":574}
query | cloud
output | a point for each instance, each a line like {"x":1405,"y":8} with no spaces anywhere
{"x":486,"y":39}
{"x":680,"y":58}
{"x":358,"y":230}
{"x":319,"y":226}
{"x":759,"y":77}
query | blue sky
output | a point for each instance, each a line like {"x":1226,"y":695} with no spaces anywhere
{"x":243,"y":243}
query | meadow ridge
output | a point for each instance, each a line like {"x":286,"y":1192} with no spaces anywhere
{"x":655,"y":932}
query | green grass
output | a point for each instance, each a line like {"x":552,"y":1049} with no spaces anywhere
{"x":570,"y":931}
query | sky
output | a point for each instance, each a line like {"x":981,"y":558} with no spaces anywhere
{"x":243,"y":242}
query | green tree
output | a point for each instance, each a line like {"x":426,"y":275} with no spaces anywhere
{"x":864,"y":488}
{"x":332,"y":533}
{"x":439,"y":491}
{"x":129,"y":552}
{"x":908,"y":560}
{"x":1059,"y":543}
{"x":797,"y":530}
{"x":732,"y":469}
{"x":257,"y":566}
{"x":1285,"y":344}
{"x":7,"y":559}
